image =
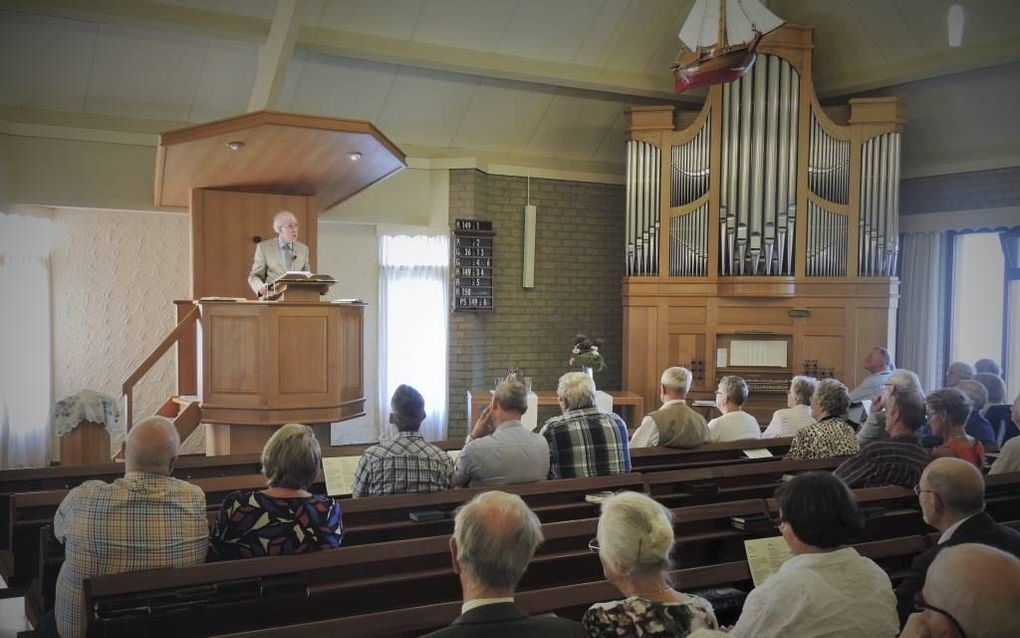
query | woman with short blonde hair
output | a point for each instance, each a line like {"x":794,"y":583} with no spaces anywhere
{"x":284,"y":518}
{"x":635,"y":543}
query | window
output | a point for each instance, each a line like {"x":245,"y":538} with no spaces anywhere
{"x":977,"y":306}
{"x":413,"y":312}
{"x":25,"y":341}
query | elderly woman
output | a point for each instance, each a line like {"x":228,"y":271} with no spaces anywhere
{"x":825,"y":588}
{"x":797,"y":416}
{"x":734,"y":424}
{"x":634,"y":542}
{"x":832,"y":434}
{"x":284,"y":518}
{"x":948,"y":410}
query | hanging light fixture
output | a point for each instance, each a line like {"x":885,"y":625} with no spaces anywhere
{"x":954,"y":24}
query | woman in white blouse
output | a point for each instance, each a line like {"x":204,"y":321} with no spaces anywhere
{"x":797,"y":416}
{"x":825,"y":588}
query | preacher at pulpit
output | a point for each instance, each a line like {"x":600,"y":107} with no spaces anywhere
{"x":274,"y":257}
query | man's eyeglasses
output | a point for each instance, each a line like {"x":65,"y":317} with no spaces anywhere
{"x":918,"y":490}
{"x":921,"y":605}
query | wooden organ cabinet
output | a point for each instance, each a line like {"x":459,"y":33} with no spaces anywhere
{"x":762,"y":220}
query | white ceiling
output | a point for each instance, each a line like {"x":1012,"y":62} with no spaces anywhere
{"x":196,"y":61}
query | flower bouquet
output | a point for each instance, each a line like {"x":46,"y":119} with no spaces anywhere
{"x":586,"y":353}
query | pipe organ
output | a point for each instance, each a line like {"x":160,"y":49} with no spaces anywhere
{"x":767,"y":213}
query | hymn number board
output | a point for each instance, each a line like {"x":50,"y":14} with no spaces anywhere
{"x":472,"y":265}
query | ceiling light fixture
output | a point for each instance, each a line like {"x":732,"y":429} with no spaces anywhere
{"x":954,"y":23}
{"x":354,"y":157}
{"x":235,"y":146}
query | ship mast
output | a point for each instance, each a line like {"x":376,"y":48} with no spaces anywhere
{"x":722,"y":42}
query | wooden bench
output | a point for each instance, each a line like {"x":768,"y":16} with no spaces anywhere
{"x":566,"y":601}
{"x":655,"y":459}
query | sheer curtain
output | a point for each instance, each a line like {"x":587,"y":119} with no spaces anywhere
{"x":24,"y":341}
{"x":920,"y":311}
{"x":413,"y":312}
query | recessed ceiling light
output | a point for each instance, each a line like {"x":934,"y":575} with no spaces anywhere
{"x":235,"y":146}
{"x":354,"y":157}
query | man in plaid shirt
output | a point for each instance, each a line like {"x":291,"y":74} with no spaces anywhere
{"x":408,"y":463}
{"x":584,"y":441}
{"x":142,"y":521}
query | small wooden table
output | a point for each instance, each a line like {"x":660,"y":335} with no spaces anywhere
{"x":634,"y":403}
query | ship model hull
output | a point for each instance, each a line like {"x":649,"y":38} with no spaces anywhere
{"x":705,"y":68}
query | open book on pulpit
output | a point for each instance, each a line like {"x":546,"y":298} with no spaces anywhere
{"x":298,"y":285}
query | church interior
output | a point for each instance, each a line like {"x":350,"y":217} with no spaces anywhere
{"x":490,"y":192}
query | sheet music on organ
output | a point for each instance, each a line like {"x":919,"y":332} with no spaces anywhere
{"x":758,"y":353}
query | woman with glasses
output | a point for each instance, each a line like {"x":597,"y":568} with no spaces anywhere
{"x":826,"y":588}
{"x":948,"y":410}
{"x":634,"y":542}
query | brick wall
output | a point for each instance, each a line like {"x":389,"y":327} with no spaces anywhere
{"x":578,"y":275}
{"x":977,"y":190}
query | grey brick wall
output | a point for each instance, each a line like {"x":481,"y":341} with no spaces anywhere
{"x":578,"y":276}
{"x":961,"y":191}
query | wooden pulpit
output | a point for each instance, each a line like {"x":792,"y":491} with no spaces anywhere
{"x":255,"y":365}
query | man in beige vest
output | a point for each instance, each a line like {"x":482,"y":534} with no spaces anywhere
{"x":675,"y":424}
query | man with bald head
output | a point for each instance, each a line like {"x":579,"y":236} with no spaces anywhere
{"x":494,"y":537}
{"x":142,"y":521}
{"x":971,"y":590}
{"x":952,"y":497}
{"x":274,"y":257}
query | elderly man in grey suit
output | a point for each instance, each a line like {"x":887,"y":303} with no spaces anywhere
{"x":494,"y":537}
{"x":274,"y":257}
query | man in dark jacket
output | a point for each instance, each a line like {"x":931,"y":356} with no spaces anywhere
{"x":494,"y":537}
{"x":952,"y":496}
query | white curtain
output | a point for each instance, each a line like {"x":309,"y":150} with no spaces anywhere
{"x":24,"y":341}
{"x":920,"y":316}
{"x":413,"y":312}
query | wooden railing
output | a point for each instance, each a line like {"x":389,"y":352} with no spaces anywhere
{"x":127,"y":388}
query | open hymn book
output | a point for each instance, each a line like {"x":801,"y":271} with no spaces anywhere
{"x":302,"y":275}
{"x":765,"y":556}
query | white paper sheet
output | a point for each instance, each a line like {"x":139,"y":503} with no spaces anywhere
{"x":765,"y":556}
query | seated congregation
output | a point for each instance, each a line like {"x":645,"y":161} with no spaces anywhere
{"x":148,"y":519}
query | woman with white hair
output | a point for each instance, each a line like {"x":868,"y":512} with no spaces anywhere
{"x":284,"y":518}
{"x":797,"y":415}
{"x":832,"y":435}
{"x":634,"y":542}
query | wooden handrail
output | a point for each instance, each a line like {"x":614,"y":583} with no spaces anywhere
{"x":127,"y":388}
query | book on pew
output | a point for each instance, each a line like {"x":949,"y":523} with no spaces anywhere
{"x":761,"y":453}
{"x":427,"y":516}
{"x":752,"y":524}
{"x":597,"y":498}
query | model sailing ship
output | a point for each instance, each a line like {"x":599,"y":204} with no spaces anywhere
{"x":722,"y":39}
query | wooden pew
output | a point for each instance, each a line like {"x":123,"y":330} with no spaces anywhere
{"x":568,"y":601}
{"x":715,"y":484}
{"x":656,"y":459}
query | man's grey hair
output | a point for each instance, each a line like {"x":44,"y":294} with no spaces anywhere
{"x":988,"y":366}
{"x":292,"y":457}
{"x":995,"y":386}
{"x":832,"y":397}
{"x":905,"y":381}
{"x":511,"y":395}
{"x":803,"y":388}
{"x":635,"y":534}
{"x":886,"y":356}
{"x":577,"y":390}
{"x":145,"y":452}
{"x":677,"y":379}
{"x":959,"y":484}
{"x":961,"y":369}
{"x":977,"y":393}
{"x":279,"y":219}
{"x":496,"y":535}
{"x":734,"y":389}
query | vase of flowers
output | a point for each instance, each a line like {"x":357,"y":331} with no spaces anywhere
{"x":587,"y":354}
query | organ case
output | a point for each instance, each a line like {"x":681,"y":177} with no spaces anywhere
{"x":762,"y":215}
